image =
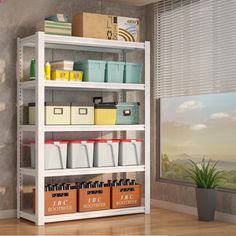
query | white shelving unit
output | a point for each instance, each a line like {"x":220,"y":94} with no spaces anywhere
{"x":40,"y":41}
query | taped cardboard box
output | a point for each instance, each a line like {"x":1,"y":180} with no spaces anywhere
{"x":99,"y":26}
{"x":91,"y":25}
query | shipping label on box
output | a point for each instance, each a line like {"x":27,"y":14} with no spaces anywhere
{"x":128,"y":29}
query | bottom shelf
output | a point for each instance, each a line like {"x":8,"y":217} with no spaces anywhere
{"x":83,"y":215}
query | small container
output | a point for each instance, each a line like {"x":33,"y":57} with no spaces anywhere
{"x":80,"y":154}
{"x":94,"y":199}
{"x":60,"y":75}
{"x":133,"y":72}
{"x":76,"y":75}
{"x":47,"y":71}
{"x":32,"y":69}
{"x":106,"y":153}
{"x":94,"y":70}
{"x":59,"y":202}
{"x":56,"y":113}
{"x":81,"y":114}
{"x":104,"y":113}
{"x":55,"y":154}
{"x":127,"y":113}
{"x":125,"y":196}
{"x":115,"y":72}
{"x":62,"y":65}
{"x":130,"y":152}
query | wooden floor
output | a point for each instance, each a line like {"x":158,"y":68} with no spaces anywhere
{"x":159,"y":222}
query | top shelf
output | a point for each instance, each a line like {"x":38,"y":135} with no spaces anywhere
{"x":82,"y":44}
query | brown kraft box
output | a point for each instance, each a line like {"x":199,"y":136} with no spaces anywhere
{"x":91,"y":25}
{"x":94,"y":199}
{"x":125,"y":196}
{"x":59,"y":202}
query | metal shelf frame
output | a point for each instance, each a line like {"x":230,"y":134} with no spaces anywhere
{"x":40,"y":41}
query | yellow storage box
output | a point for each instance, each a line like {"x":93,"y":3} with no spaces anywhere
{"x":104,"y":113}
{"x":60,"y":75}
{"x":56,"y":113}
{"x":76,"y":75}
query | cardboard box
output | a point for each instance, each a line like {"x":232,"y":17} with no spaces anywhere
{"x":59,"y":202}
{"x":126,"y":196}
{"x":94,"y":199}
{"x":90,"y":25}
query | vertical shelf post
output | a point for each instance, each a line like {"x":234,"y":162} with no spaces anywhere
{"x":39,"y":134}
{"x":19,"y":122}
{"x":147,"y":127}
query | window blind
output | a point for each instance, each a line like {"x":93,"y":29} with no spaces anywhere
{"x":195,"y":47}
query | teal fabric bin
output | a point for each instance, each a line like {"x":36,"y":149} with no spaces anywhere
{"x":133,"y":72}
{"x":94,"y":70}
{"x":115,"y":72}
{"x":127,"y":113}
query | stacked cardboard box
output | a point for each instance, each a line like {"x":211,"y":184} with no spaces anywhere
{"x":54,"y":27}
{"x":99,"y":26}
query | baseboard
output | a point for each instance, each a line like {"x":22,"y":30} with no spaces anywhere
{"x":220,"y":216}
{"x":6,"y":214}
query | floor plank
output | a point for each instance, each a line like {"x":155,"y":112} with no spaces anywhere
{"x":160,"y":222}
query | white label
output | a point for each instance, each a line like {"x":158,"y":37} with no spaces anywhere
{"x":60,"y":17}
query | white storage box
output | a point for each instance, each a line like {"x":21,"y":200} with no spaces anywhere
{"x":56,"y":113}
{"x":55,"y":154}
{"x":82,"y":115}
{"x":80,"y":154}
{"x":62,"y":65}
{"x":106,"y":153}
{"x":130,"y":152}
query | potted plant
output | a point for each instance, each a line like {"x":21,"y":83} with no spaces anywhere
{"x":206,"y":177}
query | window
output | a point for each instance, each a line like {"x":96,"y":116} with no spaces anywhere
{"x":195,"y":71}
{"x":196,"y":127}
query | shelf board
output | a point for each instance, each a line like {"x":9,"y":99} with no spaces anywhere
{"x":94,"y":214}
{"x":83,"y":44}
{"x":75,"y":128}
{"x":85,"y":86}
{"x":84,"y":171}
{"x":29,"y":215}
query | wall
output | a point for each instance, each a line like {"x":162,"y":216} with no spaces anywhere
{"x":163,"y":190}
{"x":18,"y":19}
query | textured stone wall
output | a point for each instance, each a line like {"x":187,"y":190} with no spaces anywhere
{"x":18,"y":19}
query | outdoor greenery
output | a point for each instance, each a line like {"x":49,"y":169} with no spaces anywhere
{"x":175,"y":170}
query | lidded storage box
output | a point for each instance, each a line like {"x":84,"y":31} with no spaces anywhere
{"x":81,"y":114}
{"x":115,"y":72}
{"x":80,"y":154}
{"x":130,"y":152}
{"x":133,"y":72}
{"x":56,"y":113}
{"x":127,"y":113}
{"x":62,"y":65}
{"x":94,"y":70}
{"x":104,"y":113}
{"x":106,"y":153}
{"x":55,"y":154}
